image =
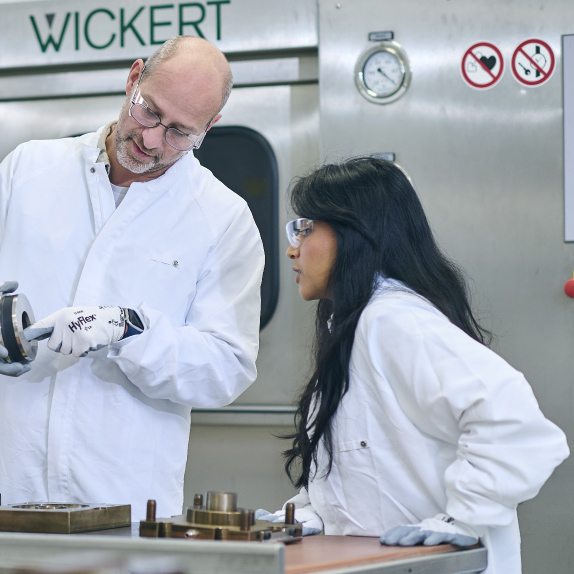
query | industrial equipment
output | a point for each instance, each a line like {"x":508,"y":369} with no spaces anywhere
{"x":220,"y":519}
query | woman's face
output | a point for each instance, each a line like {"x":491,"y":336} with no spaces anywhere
{"x":313,"y":261}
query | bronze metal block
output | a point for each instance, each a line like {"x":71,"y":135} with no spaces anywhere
{"x":62,"y":518}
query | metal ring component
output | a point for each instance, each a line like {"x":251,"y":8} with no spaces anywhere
{"x":221,"y":501}
{"x":15,"y":315}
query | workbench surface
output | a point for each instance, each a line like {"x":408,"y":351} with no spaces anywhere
{"x":122,"y":550}
{"x":327,"y":553}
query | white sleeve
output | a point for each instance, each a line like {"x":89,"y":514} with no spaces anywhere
{"x":210,"y":360}
{"x":459,"y":391}
{"x":301,"y":500}
{"x":7,"y":167}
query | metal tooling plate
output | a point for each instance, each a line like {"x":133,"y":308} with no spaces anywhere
{"x":62,"y":518}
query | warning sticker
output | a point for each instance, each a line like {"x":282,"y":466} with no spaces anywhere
{"x":482,"y":66}
{"x":533,"y":63}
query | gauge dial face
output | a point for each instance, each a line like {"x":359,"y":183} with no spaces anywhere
{"x":383,"y":73}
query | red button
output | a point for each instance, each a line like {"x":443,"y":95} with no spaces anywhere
{"x":569,"y":288}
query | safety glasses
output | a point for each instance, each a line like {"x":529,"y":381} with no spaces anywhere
{"x":297,"y":230}
{"x":142,"y":114}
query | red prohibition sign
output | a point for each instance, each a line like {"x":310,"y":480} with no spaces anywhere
{"x":490,"y":68}
{"x":536,"y":63}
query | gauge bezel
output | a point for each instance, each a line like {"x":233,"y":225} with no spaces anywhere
{"x":397,"y":51}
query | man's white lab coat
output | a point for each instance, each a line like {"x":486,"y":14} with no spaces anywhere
{"x":433,"y":422}
{"x":184,"y":251}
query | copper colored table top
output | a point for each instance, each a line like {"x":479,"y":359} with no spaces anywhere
{"x":316,"y":553}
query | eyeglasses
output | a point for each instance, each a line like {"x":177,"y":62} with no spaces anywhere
{"x":297,"y":230}
{"x":141,"y":113}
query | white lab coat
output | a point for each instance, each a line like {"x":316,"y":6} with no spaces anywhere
{"x":433,"y":422}
{"x":185,"y":252}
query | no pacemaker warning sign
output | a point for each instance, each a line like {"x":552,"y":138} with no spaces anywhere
{"x":482,"y":66}
{"x":533,"y":63}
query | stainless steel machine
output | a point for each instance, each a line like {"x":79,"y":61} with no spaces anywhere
{"x":470,"y":105}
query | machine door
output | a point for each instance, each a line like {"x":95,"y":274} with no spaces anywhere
{"x":244,"y":161}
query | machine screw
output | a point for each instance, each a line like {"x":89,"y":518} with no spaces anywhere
{"x":290,"y":513}
{"x":150,"y":511}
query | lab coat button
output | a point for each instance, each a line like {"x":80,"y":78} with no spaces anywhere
{"x":93,"y":169}
{"x":363,"y":444}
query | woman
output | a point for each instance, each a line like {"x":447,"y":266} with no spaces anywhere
{"x":409,"y":426}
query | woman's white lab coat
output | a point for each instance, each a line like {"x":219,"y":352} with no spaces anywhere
{"x":184,"y":251}
{"x":432,"y":422}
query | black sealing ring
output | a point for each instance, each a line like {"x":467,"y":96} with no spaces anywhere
{"x":8,"y":335}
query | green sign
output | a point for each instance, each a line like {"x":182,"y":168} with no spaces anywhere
{"x":104,"y":28}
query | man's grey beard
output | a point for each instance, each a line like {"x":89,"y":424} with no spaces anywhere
{"x":134,"y":164}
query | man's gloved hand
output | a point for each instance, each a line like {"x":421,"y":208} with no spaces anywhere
{"x":10,"y":369}
{"x":312,"y":523}
{"x":78,"y":330}
{"x":430,"y":532}
{"x":8,"y":287}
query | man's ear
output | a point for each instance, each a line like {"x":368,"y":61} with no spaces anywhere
{"x":213,"y":121}
{"x":134,"y":75}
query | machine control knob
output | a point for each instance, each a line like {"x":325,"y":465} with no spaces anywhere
{"x":569,"y":287}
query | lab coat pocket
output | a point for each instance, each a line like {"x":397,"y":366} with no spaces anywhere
{"x":167,"y":259}
{"x":352,"y":481}
{"x":353,"y":445}
{"x":354,"y":458}
{"x":170,"y":272}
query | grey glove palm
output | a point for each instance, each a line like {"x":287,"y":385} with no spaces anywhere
{"x":432,"y":531}
{"x":10,"y":369}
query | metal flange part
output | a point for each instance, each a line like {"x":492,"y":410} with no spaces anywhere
{"x":15,"y":315}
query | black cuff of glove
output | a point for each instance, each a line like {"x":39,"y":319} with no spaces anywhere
{"x":134,"y":325}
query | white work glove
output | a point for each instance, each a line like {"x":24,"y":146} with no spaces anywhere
{"x":10,"y":369}
{"x":78,"y":330}
{"x":430,"y":532}
{"x":312,"y":523}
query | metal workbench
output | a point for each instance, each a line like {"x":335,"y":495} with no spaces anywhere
{"x":125,"y":553}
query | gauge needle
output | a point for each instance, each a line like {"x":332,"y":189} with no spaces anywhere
{"x":390,"y":79}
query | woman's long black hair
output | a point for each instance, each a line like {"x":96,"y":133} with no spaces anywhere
{"x":381,"y":230}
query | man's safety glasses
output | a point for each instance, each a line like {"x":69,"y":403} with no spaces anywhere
{"x":141,"y":113}
{"x":297,"y":230}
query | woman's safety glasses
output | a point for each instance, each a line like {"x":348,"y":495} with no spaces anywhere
{"x":297,"y":230}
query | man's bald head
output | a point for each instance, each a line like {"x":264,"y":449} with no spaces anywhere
{"x":190,"y":55}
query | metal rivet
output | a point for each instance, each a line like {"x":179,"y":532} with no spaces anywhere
{"x":93,"y":169}
{"x":363,"y":444}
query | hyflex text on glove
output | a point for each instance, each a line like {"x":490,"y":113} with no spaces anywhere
{"x":78,"y":330}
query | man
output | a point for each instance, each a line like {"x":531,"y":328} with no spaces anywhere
{"x":146,"y":271}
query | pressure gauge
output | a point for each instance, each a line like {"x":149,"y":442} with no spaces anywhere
{"x":382,"y":74}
